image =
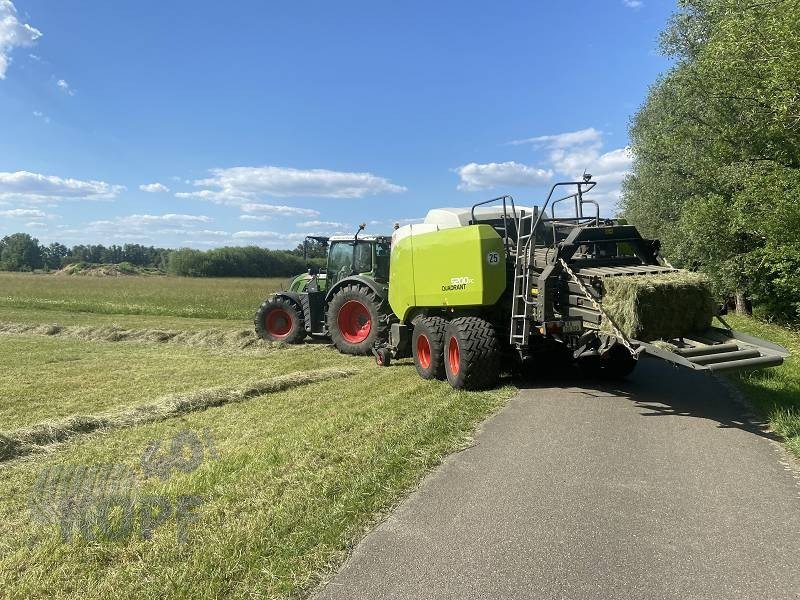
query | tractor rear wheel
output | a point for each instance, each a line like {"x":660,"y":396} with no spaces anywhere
{"x":280,"y":320}
{"x":471,"y":354}
{"x":357,"y":319}
{"x":427,"y":347}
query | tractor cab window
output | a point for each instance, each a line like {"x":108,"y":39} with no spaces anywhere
{"x":364,"y":257}
{"x":382,"y":261}
{"x":341,"y":263}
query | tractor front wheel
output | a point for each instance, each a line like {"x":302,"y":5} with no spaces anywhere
{"x":280,"y":320}
{"x":355,"y":320}
{"x":471,"y":354}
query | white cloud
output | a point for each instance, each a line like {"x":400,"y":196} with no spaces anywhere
{"x":13,"y":34}
{"x":167,"y":218}
{"x":571,"y":155}
{"x":323,"y":224}
{"x":270,"y":235}
{"x":278,"y":209}
{"x":23,"y":213}
{"x":40,"y":115}
{"x":564,"y":140}
{"x":476,"y":176}
{"x":35,"y":187}
{"x":153,"y":188}
{"x":255,"y":217}
{"x":633,"y":3}
{"x":64,"y":87}
{"x":239,"y":185}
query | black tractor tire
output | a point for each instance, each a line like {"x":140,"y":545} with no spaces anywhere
{"x":279,"y":319}
{"x":357,"y":319}
{"x":427,"y":347}
{"x":471,"y":354}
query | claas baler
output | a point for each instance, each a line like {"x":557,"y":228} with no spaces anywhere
{"x":496,"y":287}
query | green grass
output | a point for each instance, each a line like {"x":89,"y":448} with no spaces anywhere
{"x":300,"y":475}
{"x":205,"y":298}
{"x":774,"y":392}
{"x":65,"y":317}
{"x":302,"y":471}
{"x":54,"y":377}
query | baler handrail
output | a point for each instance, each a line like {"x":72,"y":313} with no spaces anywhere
{"x":505,"y":213}
{"x":539,"y":216}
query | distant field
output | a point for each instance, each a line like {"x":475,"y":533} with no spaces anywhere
{"x":208,"y":298}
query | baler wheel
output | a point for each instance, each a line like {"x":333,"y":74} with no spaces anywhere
{"x":280,"y":320}
{"x":427,"y":347}
{"x":357,"y":319}
{"x":472,"y":354}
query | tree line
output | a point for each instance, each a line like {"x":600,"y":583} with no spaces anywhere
{"x":22,"y":252}
{"x":716,"y":148}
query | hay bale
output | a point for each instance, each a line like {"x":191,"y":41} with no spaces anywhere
{"x":658,"y":307}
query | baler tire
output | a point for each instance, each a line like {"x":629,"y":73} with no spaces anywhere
{"x":278,"y":312}
{"x":359,"y":302}
{"x":427,"y":347}
{"x":471,"y":354}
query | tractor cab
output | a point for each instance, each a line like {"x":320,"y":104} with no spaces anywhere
{"x":367,"y":256}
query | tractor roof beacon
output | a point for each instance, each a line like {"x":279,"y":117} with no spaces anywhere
{"x":499,"y":287}
{"x":348,"y":301}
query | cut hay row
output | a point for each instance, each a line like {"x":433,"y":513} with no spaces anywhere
{"x":658,"y":307}
{"x":37,"y":438}
{"x":236,"y":339}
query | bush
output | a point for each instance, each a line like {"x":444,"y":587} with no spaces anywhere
{"x":248,"y":261}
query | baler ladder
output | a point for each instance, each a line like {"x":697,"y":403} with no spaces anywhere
{"x":522,"y":304}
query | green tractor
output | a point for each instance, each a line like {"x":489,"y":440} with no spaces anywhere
{"x":495,"y":287}
{"x":348,"y":302}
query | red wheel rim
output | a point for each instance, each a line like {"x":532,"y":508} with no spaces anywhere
{"x":453,"y":356}
{"x":354,"y":322}
{"x":279,"y":323}
{"x":423,"y":351}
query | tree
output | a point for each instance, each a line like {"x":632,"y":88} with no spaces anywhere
{"x":53,"y":254}
{"x":20,"y":252}
{"x":311,"y":249}
{"x":717,"y":149}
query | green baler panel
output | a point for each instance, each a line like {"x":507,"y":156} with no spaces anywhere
{"x":462,"y":266}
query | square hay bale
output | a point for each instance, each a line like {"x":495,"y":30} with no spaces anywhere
{"x":658,"y":307}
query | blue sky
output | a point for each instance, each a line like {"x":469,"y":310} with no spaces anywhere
{"x":207,"y":124}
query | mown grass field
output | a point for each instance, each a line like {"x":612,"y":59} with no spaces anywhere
{"x":301,"y":468}
{"x":299,"y":472}
{"x":206,"y":298}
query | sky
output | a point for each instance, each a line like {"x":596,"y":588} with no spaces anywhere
{"x":200,"y":124}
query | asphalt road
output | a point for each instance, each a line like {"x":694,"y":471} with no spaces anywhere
{"x":658,"y":487}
